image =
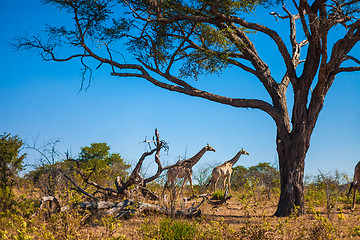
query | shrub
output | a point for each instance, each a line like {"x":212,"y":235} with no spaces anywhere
{"x":170,"y":229}
{"x":217,"y":195}
{"x":11,"y":163}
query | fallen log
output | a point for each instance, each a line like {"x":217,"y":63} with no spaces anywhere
{"x":131,"y":207}
{"x":124,"y":209}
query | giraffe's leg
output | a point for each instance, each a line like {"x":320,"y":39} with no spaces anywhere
{"x":165,"y":186}
{"x":224,"y":182}
{"x":211,"y":182}
{"x":183,"y":185}
{"x":228,"y":178}
{"x":351,"y":186}
{"x":214,"y":182}
{"x":354,"y":195}
{"x":191,"y":185}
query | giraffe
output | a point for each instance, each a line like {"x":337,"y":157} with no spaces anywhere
{"x":184,"y":169}
{"x":355,"y":183}
{"x":224,"y":171}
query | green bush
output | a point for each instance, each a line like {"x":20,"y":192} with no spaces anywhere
{"x":175,"y":229}
{"x":11,"y":163}
{"x":170,"y":229}
{"x":217,"y":195}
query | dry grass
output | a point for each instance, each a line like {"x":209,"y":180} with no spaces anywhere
{"x":256,"y":220}
{"x":242,"y":217}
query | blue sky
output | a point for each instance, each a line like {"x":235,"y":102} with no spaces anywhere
{"x":41,"y":100}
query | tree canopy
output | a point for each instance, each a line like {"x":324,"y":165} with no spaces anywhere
{"x":98,"y":161}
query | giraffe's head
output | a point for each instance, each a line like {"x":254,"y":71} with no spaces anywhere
{"x":209,"y":148}
{"x":244,"y":152}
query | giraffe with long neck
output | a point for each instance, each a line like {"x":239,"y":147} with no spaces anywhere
{"x":190,"y":162}
{"x":184,"y":169}
{"x":225,"y":170}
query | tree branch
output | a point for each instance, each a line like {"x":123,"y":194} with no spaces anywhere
{"x":346,"y":69}
{"x":79,"y":189}
{"x":348,"y":57}
{"x":272,"y":34}
{"x":90,"y":182}
{"x":235,"y":102}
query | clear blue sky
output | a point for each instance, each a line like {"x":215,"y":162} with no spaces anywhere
{"x":42,"y":100}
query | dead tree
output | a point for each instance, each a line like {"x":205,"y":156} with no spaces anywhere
{"x":129,"y":206}
{"x":135,"y":178}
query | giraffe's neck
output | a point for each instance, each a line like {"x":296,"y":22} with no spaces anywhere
{"x":235,"y":159}
{"x":192,"y":161}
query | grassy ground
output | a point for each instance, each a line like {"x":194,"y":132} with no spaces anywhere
{"x":245,"y":216}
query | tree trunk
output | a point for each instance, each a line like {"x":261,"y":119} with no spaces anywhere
{"x":292,"y":150}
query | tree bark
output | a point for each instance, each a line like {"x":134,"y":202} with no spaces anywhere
{"x":292,"y":150}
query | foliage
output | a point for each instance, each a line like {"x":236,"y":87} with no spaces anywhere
{"x":173,"y":229}
{"x":98,"y":163}
{"x":11,"y":162}
{"x":158,"y":47}
{"x":95,"y":163}
{"x":45,"y":178}
{"x":45,"y":174}
{"x":262,"y":178}
{"x":239,"y":177}
{"x":111,"y":224}
{"x":62,"y":226}
{"x":326,"y":189}
{"x":253,"y":223}
{"x":15,"y":222}
{"x":217,"y":195}
{"x":99,"y":24}
{"x":165,"y":229}
{"x":183,"y":229}
{"x":323,"y":229}
{"x":97,"y":157}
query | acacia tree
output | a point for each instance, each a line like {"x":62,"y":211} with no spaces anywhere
{"x":174,"y":41}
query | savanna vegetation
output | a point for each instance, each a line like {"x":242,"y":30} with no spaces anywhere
{"x":75,"y":181}
{"x":171,"y":43}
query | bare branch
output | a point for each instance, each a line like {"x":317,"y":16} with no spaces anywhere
{"x":90,"y":182}
{"x":347,"y":69}
{"x":275,"y":14}
{"x":348,"y":57}
{"x":77,"y":188}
